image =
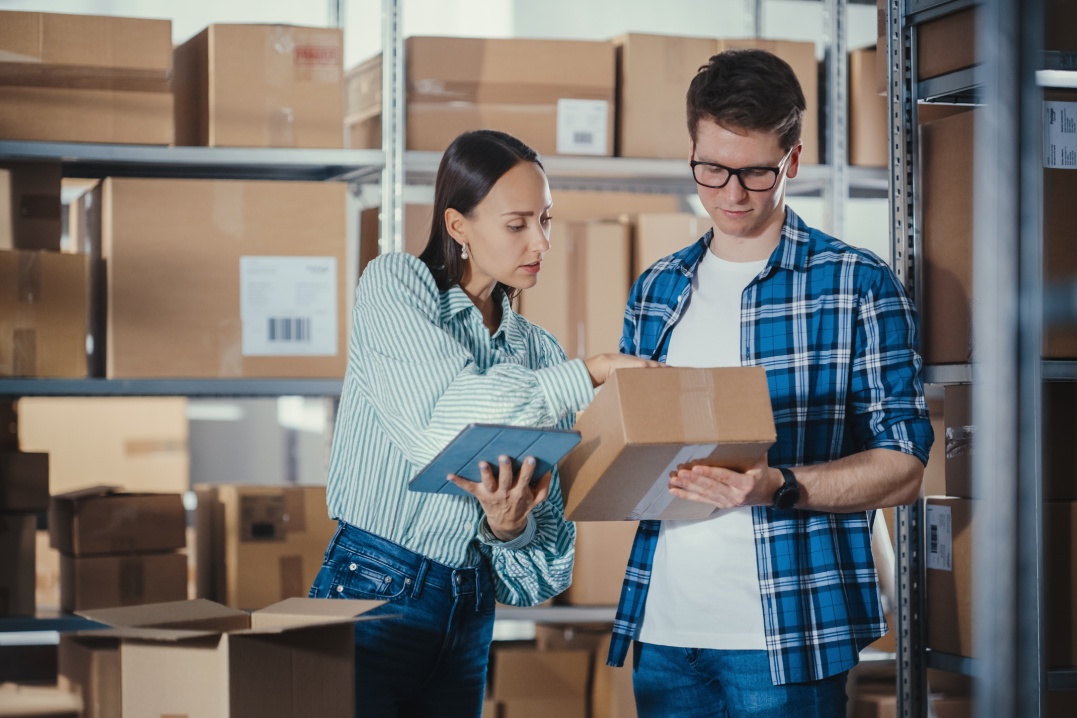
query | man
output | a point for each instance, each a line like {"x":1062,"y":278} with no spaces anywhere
{"x":762,"y":608}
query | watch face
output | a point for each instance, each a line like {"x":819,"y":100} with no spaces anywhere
{"x":787,"y":496}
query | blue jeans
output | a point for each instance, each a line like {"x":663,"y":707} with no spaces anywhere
{"x":431,"y":661}
{"x":694,"y":682}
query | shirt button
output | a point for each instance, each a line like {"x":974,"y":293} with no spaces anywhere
{"x":340,"y":589}
{"x":351,"y":567}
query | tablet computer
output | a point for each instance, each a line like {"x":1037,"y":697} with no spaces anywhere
{"x":487,"y":442}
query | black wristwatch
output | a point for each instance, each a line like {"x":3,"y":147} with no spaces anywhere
{"x":788,"y":494}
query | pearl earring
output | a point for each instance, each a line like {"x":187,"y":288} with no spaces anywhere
{"x":463,"y":251}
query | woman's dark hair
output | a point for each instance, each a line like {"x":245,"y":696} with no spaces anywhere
{"x":469,"y":169}
{"x":748,"y":89}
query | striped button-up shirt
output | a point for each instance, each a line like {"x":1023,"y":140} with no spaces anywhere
{"x":838,"y":337}
{"x":421,"y":366}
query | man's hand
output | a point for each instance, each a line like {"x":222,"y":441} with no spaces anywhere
{"x":724,"y":488}
{"x":508,"y":498}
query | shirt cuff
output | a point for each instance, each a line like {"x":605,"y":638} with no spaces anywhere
{"x":488,"y":538}
{"x":567,"y":386}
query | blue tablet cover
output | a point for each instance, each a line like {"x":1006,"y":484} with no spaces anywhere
{"x":487,"y":442}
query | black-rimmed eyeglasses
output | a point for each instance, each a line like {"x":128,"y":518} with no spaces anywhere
{"x":753,"y":179}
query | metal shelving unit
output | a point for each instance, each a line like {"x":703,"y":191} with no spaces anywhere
{"x":195,"y":388}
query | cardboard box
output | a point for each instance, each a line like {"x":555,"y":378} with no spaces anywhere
{"x":44,"y":309}
{"x":134,"y":443}
{"x":654,"y":72}
{"x":89,"y":667}
{"x":611,"y":688}
{"x":293,"y":659}
{"x":583,"y":286}
{"x":260,"y":86}
{"x":46,"y":572}
{"x":491,"y":709}
{"x":584,"y":205}
{"x":101,"y":520}
{"x":30,"y":209}
{"x":869,"y":136}
{"x":882,"y":703}
{"x":270,"y":260}
{"x":132,"y":579}
{"x":259,"y":544}
{"x":17,"y":564}
{"x":19,"y":701}
{"x":644,"y":423}
{"x":602,"y":551}
{"x":417,"y":219}
{"x":659,"y":235}
{"x":85,"y":78}
{"x":539,"y":684}
{"x":24,"y":481}
{"x":9,"y":425}
{"x":555,"y":95}
{"x":1059,"y":217}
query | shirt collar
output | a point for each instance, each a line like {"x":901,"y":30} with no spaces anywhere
{"x":791,"y":252}
{"x":455,"y":300}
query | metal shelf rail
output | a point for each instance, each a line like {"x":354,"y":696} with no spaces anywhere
{"x":197,"y":388}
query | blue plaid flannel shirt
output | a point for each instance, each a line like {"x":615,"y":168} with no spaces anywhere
{"x":838,"y":337}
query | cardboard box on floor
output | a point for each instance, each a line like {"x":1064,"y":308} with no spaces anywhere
{"x":654,"y":72}
{"x":134,"y":443}
{"x":130,"y":579}
{"x":23,"y":701}
{"x":260,"y":86}
{"x":611,"y":688}
{"x":869,"y":144}
{"x":44,"y":311}
{"x":882,"y":703}
{"x":290,"y":660}
{"x":950,"y":578}
{"x":103,"y":520}
{"x":539,"y":684}
{"x":583,"y":286}
{"x":89,"y":667}
{"x":555,"y":95}
{"x":30,"y":208}
{"x":17,"y":564}
{"x":658,"y":235}
{"x":85,"y":78}
{"x":602,"y":550}
{"x":24,"y":481}
{"x":269,"y":259}
{"x":646,"y":422}
{"x":259,"y":544}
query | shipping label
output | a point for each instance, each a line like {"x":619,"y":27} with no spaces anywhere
{"x":658,"y":498}
{"x":582,"y":127}
{"x":940,"y":538}
{"x":1060,"y":135}
{"x":288,"y":306}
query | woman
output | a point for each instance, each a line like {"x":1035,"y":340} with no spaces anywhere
{"x":436,"y":346}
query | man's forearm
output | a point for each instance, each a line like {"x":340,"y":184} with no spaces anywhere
{"x":871,"y":479}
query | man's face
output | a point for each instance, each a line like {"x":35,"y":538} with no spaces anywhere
{"x":736,"y":211}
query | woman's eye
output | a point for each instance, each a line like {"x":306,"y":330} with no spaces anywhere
{"x":517,"y":227}
{"x":546,"y":220}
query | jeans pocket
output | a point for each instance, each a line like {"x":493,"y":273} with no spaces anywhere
{"x":356,"y":575}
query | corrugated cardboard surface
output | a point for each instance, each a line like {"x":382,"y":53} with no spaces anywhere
{"x":946,"y":44}
{"x":642,"y":423}
{"x":658,"y":235}
{"x":17,"y":546}
{"x":85,"y":78}
{"x":88,"y":582}
{"x":460,"y":84}
{"x":90,"y":669}
{"x":24,"y":481}
{"x":30,"y":205}
{"x":260,"y":86}
{"x":611,"y":688}
{"x":541,"y":683}
{"x":260,"y":544}
{"x":18,"y":701}
{"x":1059,"y":249}
{"x":654,"y":72}
{"x":99,"y":521}
{"x":173,"y":250}
{"x":417,"y":219}
{"x":602,"y":550}
{"x":138,"y":444}
{"x":869,"y":144}
{"x":44,"y":310}
{"x":583,"y":286}
{"x":949,"y":593}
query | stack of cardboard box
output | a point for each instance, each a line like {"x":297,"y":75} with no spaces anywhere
{"x":24,"y":495}
{"x":118,"y":549}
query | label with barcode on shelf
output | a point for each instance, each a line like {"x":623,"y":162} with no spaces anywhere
{"x":288,"y":306}
{"x":582,"y":127}
{"x":940,"y":538}
{"x":1060,"y":135}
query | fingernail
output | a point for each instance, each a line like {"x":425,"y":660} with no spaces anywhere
{"x":483,"y":465}
{"x":504,"y":459}
{"x":530,"y":460}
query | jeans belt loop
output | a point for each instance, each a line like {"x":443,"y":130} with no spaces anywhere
{"x":478,"y":590}
{"x":420,"y":578}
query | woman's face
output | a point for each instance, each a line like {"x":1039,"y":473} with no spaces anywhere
{"x":508,"y":232}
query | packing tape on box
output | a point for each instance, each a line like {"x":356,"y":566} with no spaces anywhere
{"x":144,"y":447}
{"x":81,"y":77}
{"x":959,"y":441}
{"x":291,"y":577}
{"x":696,"y":407}
{"x":658,"y":498}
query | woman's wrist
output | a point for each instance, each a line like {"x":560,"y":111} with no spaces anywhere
{"x":525,"y":537}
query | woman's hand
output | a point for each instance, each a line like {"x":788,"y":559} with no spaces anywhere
{"x":508,"y":498}
{"x":600,"y":366}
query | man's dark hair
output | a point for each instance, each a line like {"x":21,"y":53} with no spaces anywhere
{"x":469,"y":169}
{"x":748,"y":90}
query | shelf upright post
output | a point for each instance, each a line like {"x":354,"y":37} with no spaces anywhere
{"x":393,"y":101}
{"x":909,"y":554}
{"x":837,"y":112}
{"x":1008,"y":327}
{"x":753,"y":17}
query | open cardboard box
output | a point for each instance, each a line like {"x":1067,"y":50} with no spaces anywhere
{"x":199,"y":658}
{"x":644,"y":423}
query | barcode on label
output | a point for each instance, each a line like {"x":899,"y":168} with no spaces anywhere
{"x":583,"y":138}
{"x":289,"y":329}
{"x":934,"y":541}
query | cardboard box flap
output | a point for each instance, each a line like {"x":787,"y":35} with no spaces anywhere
{"x":294,"y":613}
{"x":89,"y":492}
{"x":156,"y":635}
{"x":199,"y":613}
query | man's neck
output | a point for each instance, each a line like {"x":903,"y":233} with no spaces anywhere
{"x":746,"y":249}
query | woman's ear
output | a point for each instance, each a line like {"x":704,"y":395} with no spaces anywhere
{"x":455,"y":225}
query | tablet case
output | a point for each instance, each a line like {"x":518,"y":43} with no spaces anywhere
{"x":487,"y":442}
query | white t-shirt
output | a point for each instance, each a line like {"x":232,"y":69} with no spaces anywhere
{"x":704,"y":587}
